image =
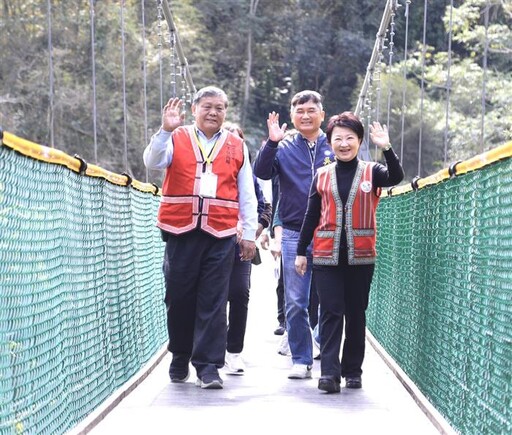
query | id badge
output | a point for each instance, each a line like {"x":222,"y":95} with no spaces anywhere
{"x":208,"y":186}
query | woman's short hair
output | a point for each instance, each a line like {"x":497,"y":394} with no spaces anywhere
{"x":347,"y":120}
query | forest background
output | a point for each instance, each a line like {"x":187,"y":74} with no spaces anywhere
{"x":260,"y":52}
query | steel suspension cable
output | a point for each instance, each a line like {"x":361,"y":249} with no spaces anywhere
{"x":172,"y":61}
{"x":484,"y":78}
{"x":448,"y":85}
{"x":363,"y":99}
{"x":404,"y":89}
{"x":51,"y":114}
{"x":390,"y":58}
{"x":123,"y":64}
{"x":422,"y":97}
{"x":93,"y":65}
{"x":381,"y":34}
{"x":144,"y":74}
{"x":179,"y":48}
{"x":160,"y":44}
{"x":378,"y":79}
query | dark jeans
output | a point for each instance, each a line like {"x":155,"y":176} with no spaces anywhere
{"x":238,"y":298}
{"x":280,"y":297}
{"x":343,"y":293}
{"x":197,"y":268}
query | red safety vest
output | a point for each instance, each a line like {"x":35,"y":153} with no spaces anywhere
{"x":182,"y":209}
{"x":360,"y":223}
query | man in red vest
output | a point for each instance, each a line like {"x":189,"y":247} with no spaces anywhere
{"x":208,"y":187}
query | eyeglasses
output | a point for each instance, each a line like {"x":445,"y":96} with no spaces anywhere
{"x":310,"y":112}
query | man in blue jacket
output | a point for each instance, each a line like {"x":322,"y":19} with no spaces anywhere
{"x":294,"y":160}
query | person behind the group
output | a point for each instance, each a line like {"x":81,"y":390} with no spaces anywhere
{"x":240,"y":282}
{"x":340,"y":219}
{"x":294,"y":160}
{"x":208,"y":187}
{"x":265,"y":240}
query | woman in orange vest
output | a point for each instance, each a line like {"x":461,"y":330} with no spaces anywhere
{"x":340,"y":219}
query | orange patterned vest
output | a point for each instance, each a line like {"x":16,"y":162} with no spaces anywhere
{"x":182,"y":209}
{"x":360,"y":223}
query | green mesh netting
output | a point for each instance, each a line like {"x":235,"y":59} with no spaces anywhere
{"x":441,"y":298}
{"x":81,"y":292}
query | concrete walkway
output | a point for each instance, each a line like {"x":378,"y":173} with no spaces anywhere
{"x":264,"y":400}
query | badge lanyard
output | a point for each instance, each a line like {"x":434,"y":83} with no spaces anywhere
{"x":208,"y":187}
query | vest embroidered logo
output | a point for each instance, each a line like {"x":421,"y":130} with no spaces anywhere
{"x":230,"y":151}
{"x":366,"y":186}
{"x":327,"y":161}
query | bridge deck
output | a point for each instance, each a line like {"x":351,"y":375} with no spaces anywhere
{"x":264,"y":399}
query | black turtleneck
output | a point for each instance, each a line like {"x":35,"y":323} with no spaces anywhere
{"x":345,"y":171}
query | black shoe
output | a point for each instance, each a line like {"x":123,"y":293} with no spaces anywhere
{"x":210,"y":381}
{"x":329,"y":384}
{"x":178,"y":375}
{"x":353,"y":382}
{"x":280,"y":330}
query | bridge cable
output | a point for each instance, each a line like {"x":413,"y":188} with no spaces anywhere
{"x":448,"y":85}
{"x":179,"y":48}
{"x":484,"y":79}
{"x":172,"y":61}
{"x":144,"y":74}
{"x":160,"y":44}
{"x":93,"y":65}
{"x":125,"y":157}
{"x":423,"y":56}
{"x":364,"y":152}
{"x":404,"y":90}
{"x":378,"y":79}
{"x":51,"y":116}
{"x":390,"y":60}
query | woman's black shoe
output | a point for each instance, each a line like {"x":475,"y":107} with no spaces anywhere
{"x":353,"y":382}
{"x":329,"y":384}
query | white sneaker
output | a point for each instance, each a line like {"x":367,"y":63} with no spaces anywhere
{"x":284,"y":348}
{"x":234,"y":364}
{"x":300,"y":371}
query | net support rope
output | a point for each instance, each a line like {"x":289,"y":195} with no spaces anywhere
{"x":484,"y":73}
{"x":448,"y":86}
{"x":51,"y":73}
{"x":125,"y":110}
{"x":404,"y":88}
{"x":93,"y":67}
{"x":422,"y":97}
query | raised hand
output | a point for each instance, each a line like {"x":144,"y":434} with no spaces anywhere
{"x":172,"y":114}
{"x":275,"y":133}
{"x":379,"y":134}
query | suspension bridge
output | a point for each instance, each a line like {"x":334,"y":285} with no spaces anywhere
{"x":82,"y":322}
